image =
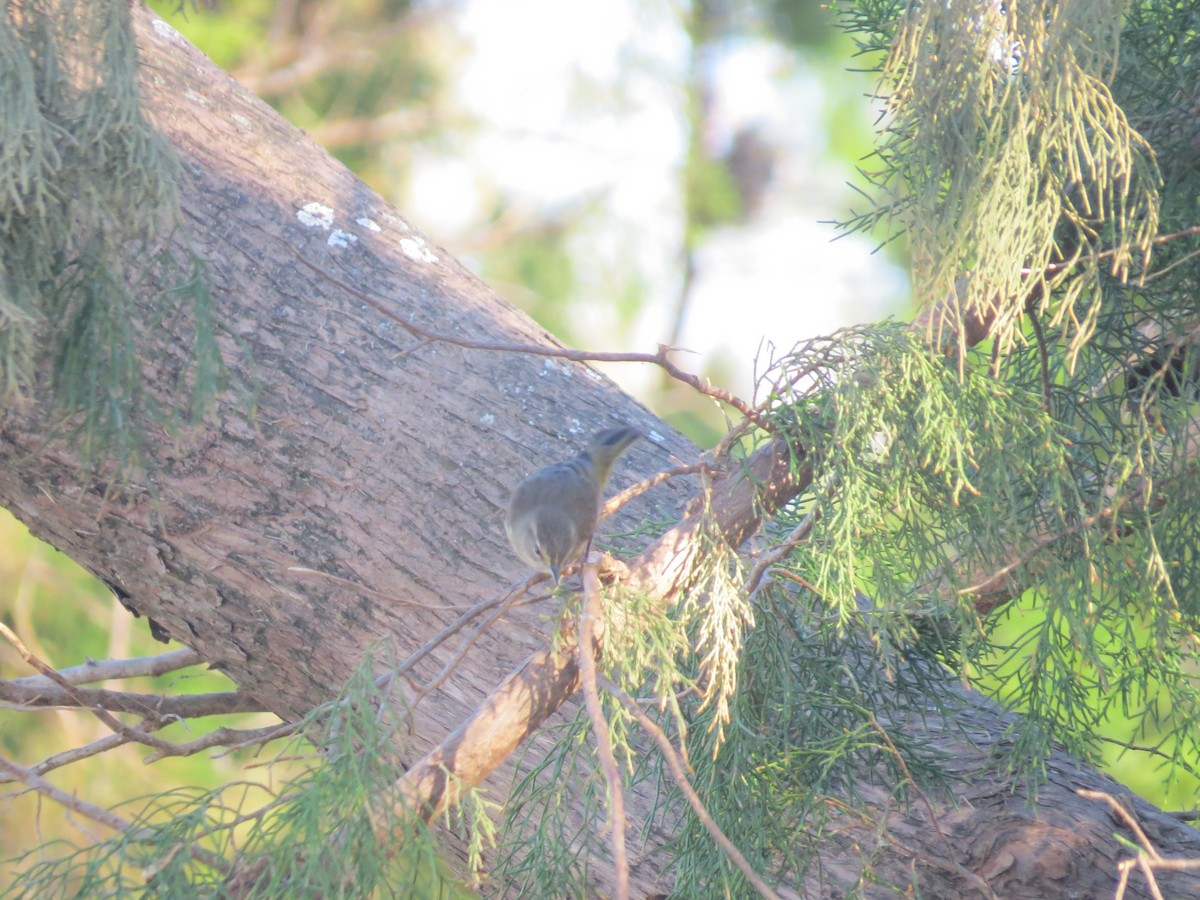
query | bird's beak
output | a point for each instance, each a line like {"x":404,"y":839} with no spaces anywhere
{"x":554,"y":574}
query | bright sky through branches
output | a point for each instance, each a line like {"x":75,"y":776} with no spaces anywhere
{"x":582,"y":101}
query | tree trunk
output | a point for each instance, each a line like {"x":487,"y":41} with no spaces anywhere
{"x":385,"y":462}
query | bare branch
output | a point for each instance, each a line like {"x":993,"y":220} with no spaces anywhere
{"x":154,"y":707}
{"x":675,"y":764}
{"x":659,"y":359}
{"x":107,"y":669}
{"x":1123,"y":814}
{"x":103,"y":715}
{"x":636,"y":490}
{"x":58,"y":760}
{"x":61,"y":797}
{"x":1148,"y":859}
{"x":589,"y":617}
{"x":426,"y":689}
{"x":231,"y":738}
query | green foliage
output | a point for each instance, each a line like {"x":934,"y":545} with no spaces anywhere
{"x":928,"y":484}
{"x":556,"y":809}
{"x":1004,"y":152}
{"x":553,"y":818}
{"x":1061,"y":465}
{"x":86,"y":186}
{"x":904,"y":447}
{"x":807,"y":743}
{"x":801,"y":739}
{"x":1056,"y":467}
{"x":331,"y":831}
{"x":35,"y":582}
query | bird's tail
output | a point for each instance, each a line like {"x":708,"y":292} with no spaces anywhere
{"x":607,"y":445}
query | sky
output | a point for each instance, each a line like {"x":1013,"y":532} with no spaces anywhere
{"x":586,"y":104}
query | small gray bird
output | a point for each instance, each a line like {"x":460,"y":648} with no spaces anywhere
{"x":553,"y":512}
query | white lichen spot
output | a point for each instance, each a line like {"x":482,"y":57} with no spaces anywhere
{"x":881,"y":445}
{"x":369,"y":224}
{"x":654,"y":436}
{"x":488,"y":419}
{"x":548,"y":366}
{"x":339,"y":238}
{"x":198,"y":99}
{"x":415,"y":249}
{"x":394,"y":220}
{"x":241,"y":121}
{"x":168,"y":33}
{"x":314,"y":215}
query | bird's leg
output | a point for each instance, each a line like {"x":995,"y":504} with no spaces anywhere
{"x":583,"y":560}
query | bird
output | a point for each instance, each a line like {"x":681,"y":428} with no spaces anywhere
{"x":552,"y":514}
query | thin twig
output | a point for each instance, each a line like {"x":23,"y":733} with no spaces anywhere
{"x":1147,"y":859}
{"x":230,"y":738}
{"x":504,"y":598}
{"x":1124,"y":816}
{"x":61,"y":797}
{"x":636,"y":490}
{"x":424,"y":690}
{"x":589,"y":616}
{"x":795,"y":537}
{"x":882,"y":732}
{"x":96,"y":813}
{"x":1052,"y":268}
{"x":802,"y":581}
{"x":1044,"y":358}
{"x":102,"y":714}
{"x":1038,"y":547}
{"x":659,"y":359}
{"x":675,"y":764}
{"x":50,"y":763}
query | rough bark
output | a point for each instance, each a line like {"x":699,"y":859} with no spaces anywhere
{"x":386,"y":462}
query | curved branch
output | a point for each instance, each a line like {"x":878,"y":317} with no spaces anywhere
{"x":659,"y":359}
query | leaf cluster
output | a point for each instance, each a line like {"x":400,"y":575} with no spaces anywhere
{"x":1033,"y":154}
{"x":322,"y":834}
{"x":1020,"y":515}
{"x":1004,"y":158}
{"x":86,"y":186}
